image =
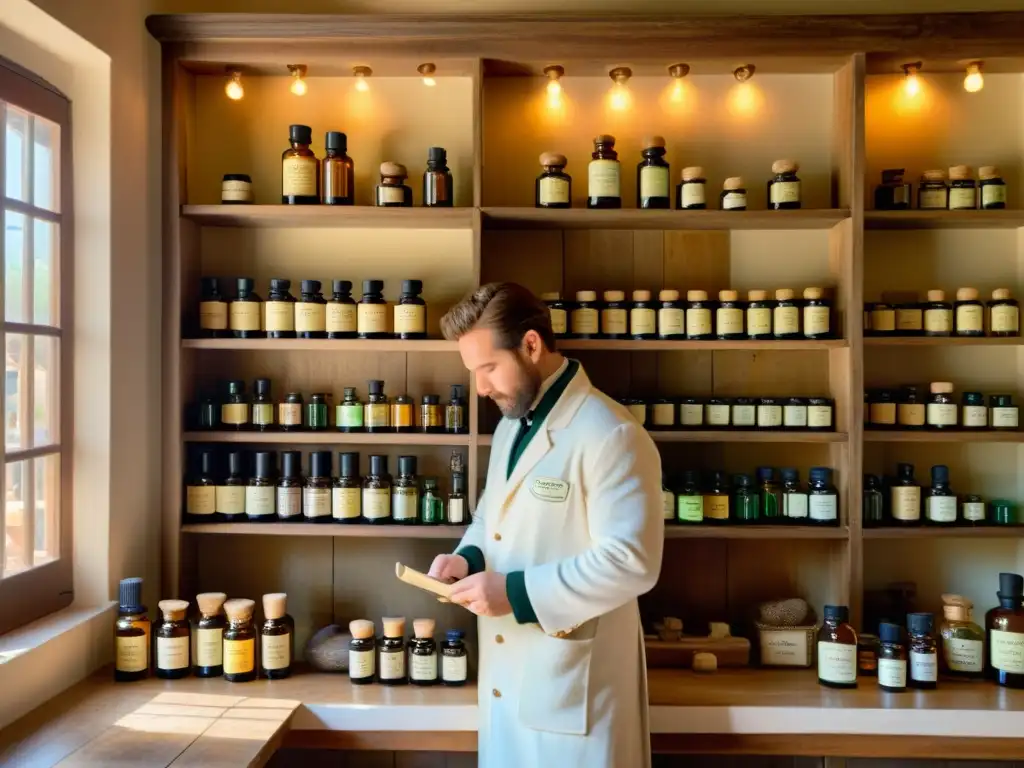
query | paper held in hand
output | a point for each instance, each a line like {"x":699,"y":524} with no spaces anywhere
{"x":421,"y":580}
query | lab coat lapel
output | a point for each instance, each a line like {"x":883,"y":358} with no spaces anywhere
{"x":535,"y":451}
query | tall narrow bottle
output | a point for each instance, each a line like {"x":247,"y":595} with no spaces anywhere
{"x":1005,"y":628}
{"x":131,"y":633}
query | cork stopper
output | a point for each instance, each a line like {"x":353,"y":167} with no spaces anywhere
{"x":728,"y":295}
{"x":999,"y":294}
{"x":551,"y":296}
{"x":239,"y":609}
{"x":966,"y":294}
{"x":757,"y":295}
{"x":654,"y":141}
{"x":696,"y":295}
{"x":275,"y":605}
{"x":586,"y":295}
{"x":692,"y":173}
{"x":552,"y":158}
{"x":785,"y":294}
{"x":668,"y":295}
{"x":988,"y":172}
{"x":813,"y":293}
{"x":936,"y":175}
{"x":733,"y":182}
{"x":785,"y":166}
{"x":423,"y":627}
{"x":614,"y":295}
{"x":959,"y":172}
{"x":210,"y":603}
{"x":674,"y":623}
{"x":941,"y":388}
{"x":956,"y":607}
{"x":393,"y":169}
{"x":394,"y":626}
{"x":173,"y":610}
{"x":641,"y":295}
{"x":361,"y":629}
{"x":936,"y":295}
{"x":604,"y":138}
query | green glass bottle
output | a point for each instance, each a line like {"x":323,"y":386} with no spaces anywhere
{"x":770,"y":495}
{"x":745,"y":500}
{"x":689,"y":499}
{"x":431,"y":504}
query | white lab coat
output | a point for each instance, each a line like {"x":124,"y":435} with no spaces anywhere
{"x":581,"y":515}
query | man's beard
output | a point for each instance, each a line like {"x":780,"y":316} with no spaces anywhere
{"x":516,"y":404}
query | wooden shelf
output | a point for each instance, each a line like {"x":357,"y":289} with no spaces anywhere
{"x":355,"y":216}
{"x":583,"y":218}
{"x":999,"y":219}
{"x":942,"y":341}
{"x":746,"y":436}
{"x":327,"y":437}
{"x":755,"y":532}
{"x":712,"y":345}
{"x":330,"y":529}
{"x":322,"y":345}
{"x":940,"y":436}
{"x":930,"y":532}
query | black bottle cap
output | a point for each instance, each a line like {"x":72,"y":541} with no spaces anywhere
{"x":280,"y":284}
{"x":264,"y":464}
{"x":889,"y":633}
{"x":378,"y":465}
{"x":412,"y":287}
{"x":291,"y":464}
{"x":209,"y":285}
{"x":236,"y":463}
{"x":905,"y":470}
{"x":261,"y":386}
{"x":691,"y":476}
{"x":320,"y":464}
{"x":920,"y":623}
{"x":820,"y":475}
{"x":430,"y":483}
{"x":375,"y":387}
{"x":300,"y":134}
{"x":245,"y":284}
{"x":236,"y":387}
{"x":940,"y":474}
{"x":789,"y":475}
{"x":336,"y":140}
{"x":431,"y":399}
{"x":1000,"y":401}
{"x":348,"y":464}
{"x":129,"y":595}
{"x":742,"y":481}
{"x":458,"y":483}
{"x":765,"y":473}
{"x":871,"y":481}
{"x":373,"y":286}
{"x":311,"y":286}
{"x":1011,"y":585}
{"x":342,"y":286}
{"x":437,"y":155}
{"x":207,"y":462}
{"x":238,"y":177}
{"x":837,"y":613}
{"x":457,"y":392}
{"x":407,"y":465}
{"x":719,"y":477}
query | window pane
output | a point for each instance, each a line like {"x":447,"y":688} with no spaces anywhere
{"x":46,"y":164}
{"x":46,"y":471}
{"x":17,"y":154}
{"x":15,"y":237}
{"x":45,"y":242}
{"x":15,"y":394}
{"x":15,"y":530}
{"x":46,"y":414}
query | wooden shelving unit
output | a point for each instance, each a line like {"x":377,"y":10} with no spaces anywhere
{"x":997,"y":219}
{"x":711,"y":345}
{"x":325,"y":346}
{"x":937,"y":436}
{"x":943,"y":341}
{"x":325,"y":438}
{"x":328,"y":529}
{"x":335,"y":217}
{"x":582,"y":218}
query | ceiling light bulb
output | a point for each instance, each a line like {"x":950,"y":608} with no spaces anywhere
{"x":974,"y":81}
{"x":678,"y":72}
{"x":427,"y":70}
{"x":298,"y":86}
{"x":911,"y":82}
{"x":554,"y":86}
{"x":233,"y":88}
{"x":620,"y":97}
{"x":744,"y":72}
{"x":361,"y":73}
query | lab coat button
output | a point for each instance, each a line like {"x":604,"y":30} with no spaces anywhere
{"x":497,"y":537}
{"x":497,"y":693}
{"x":499,"y":639}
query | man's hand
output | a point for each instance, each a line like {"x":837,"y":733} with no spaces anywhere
{"x":449,"y":568}
{"x":482,"y":593}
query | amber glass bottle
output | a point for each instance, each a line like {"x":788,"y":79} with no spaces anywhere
{"x":1005,"y":629}
{"x":300,"y":171}
{"x":372,"y":312}
{"x":729,"y":316}
{"x":554,"y":185}
{"x":1003,"y":314}
{"x":604,"y":175}
{"x":245,"y":312}
{"x":698,"y":316}
{"x":411,"y":312}
{"x":276,"y":638}
{"x":759,"y":315}
{"x":239,"y":641}
{"x":691,"y":192}
{"x":213,"y":309}
{"x":341,"y":312}
{"x":438,"y":188}
{"x":393,"y":192}
{"x":969,"y":313}
{"x":963,"y":191}
{"x":131,"y":633}
{"x":173,"y":641}
{"x":786,"y":317}
{"x":337,"y":172}
{"x":392,"y":668}
{"x":837,"y":649}
{"x":938,"y":315}
{"x":652,"y":176}
{"x":993,"y":188}
{"x":924,"y":653}
{"x":817,"y":314}
{"x":377,"y":491}
{"x":423,"y":653}
{"x":311,"y":312}
{"x":316,"y":495}
{"x":209,"y":635}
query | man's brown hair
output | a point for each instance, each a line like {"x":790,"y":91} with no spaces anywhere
{"x":508,"y":309}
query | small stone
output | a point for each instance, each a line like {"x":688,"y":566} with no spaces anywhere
{"x":327,"y":650}
{"x":784,"y":613}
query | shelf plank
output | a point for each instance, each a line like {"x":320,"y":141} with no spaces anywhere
{"x":326,"y":216}
{"x":583,"y":218}
{"x":326,"y":437}
{"x":322,"y":345}
{"x":940,"y":436}
{"x":998,"y":219}
{"x":942,"y":341}
{"x":712,"y":345}
{"x":935,"y":532}
{"x":755,"y":532}
{"x":329,"y":529}
{"x":746,"y":436}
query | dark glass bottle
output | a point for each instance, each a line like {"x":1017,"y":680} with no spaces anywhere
{"x":942,"y":411}
{"x":691,"y":191}
{"x":604,"y":175}
{"x":239,"y":641}
{"x":940,"y":502}
{"x":131,"y":633}
{"x":938,"y":315}
{"x":554,"y":186}
{"x":279,"y":310}
{"x":893,"y":194}
{"x":289,"y":488}
{"x":653,"y":185}
{"x":883,"y":319}
{"x":717,"y":412}
{"x":423,"y":653}
{"x":717,"y":503}
{"x":671,"y":316}
{"x":438,"y":188}
{"x":245,"y":312}
{"x":337,"y":172}
{"x":1003,"y":414}
{"x":1003,"y":314}
{"x":769,"y":413}
{"x":201,"y":492}
{"x":209,"y":635}
{"x":234,"y":411}
{"x":963,"y":191}
{"x":734,"y":194}
{"x":911,"y":411}
{"x":377,"y":492}
{"x":393,"y":192}
{"x":457,"y":500}
{"x":909,"y":318}
{"x":432,"y":503}
{"x":277,"y":638}
{"x":794,"y":413}
{"x":905,"y":495}
{"x":817,"y":314}
{"x":391,"y":667}
{"x":615,"y":315}
{"x":316,"y":494}
{"x":837,"y":649}
{"x":924,"y":653}
{"x":349,"y":413}
{"x":372,"y":312}
{"x":585,"y":318}
{"x":759,"y":315}
{"x":1002,"y":512}
{"x":730,"y":316}
{"x":405,"y":493}
{"x":770,"y":495}
{"x":643,"y":323}
{"x":881,"y":409}
{"x":377,"y":411}
{"x":794,"y":497}
{"x":362,"y":652}
{"x":341,"y":312}
{"x":691,"y":413}
{"x":403,"y":418}
{"x":261,"y":493}
{"x":454,"y":659}
{"x":347,"y":493}
{"x":972,"y":510}
{"x":699,"y":324}
{"x":786,"y":317}
{"x":892,"y":658}
{"x":823,"y":498}
{"x":311,"y":312}
{"x":431,"y":415}
{"x":316,"y":412}
{"x":820,"y":413}
{"x":300,"y":170}
{"x":932,"y":192}
{"x":262,"y":406}
{"x":208,"y":414}
{"x":290,"y":412}
{"x":993,"y":188}
{"x":411,"y":311}
{"x":690,"y":499}
{"x":969,"y":313}
{"x":873,"y":514}
{"x":231,"y":492}
{"x":744,"y":413}
{"x":455,"y":412}
{"x":559,"y":311}
{"x":213,"y":310}
{"x":784,"y":187}
{"x":1004,"y":628}
{"x":173,"y":641}
{"x":745,"y":500}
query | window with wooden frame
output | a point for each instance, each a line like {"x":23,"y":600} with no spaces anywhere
{"x":35,"y":309}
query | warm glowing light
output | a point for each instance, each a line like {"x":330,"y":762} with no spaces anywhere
{"x":427,"y":70}
{"x":744,"y":73}
{"x":554,"y":87}
{"x":361,"y":73}
{"x":974,"y":81}
{"x":911,"y":81}
{"x":678,"y":72}
{"x":298,"y":86}
{"x":678,"y":92}
{"x":233,"y":88}
{"x":744,"y":100}
{"x":619,"y":98}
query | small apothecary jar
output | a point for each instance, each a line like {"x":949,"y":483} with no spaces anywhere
{"x":993,"y":188}
{"x":393,"y":192}
{"x":963,"y":195}
{"x":784,"y":187}
{"x":932,"y":192}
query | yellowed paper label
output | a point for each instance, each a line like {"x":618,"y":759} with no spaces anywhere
{"x":671,"y":322}
{"x":213,"y":315}
{"x":172,"y":652}
{"x":604,"y":178}
{"x":787,"y":320}
{"x":1005,"y":319}
{"x":231,"y":499}
{"x":132,"y":653}
{"x":613,"y":322}
{"x":559,"y":321}
{"x":759,"y":321}
{"x":298,"y":177}
{"x":245,"y":315}
{"x":698,"y":322}
{"x":584,"y":321}
{"x":373,"y":318}
{"x":276,"y":651}
{"x":239,"y":656}
{"x":642,"y":321}
{"x":653,"y":181}
{"x":209,"y":647}
{"x":280,"y":315}
{"x":341,"y":318}
{"x":310,"y":317}
{"x":785,"y":192}
{"x":816,"y":320}
{"x":730,"y":320}
{"x":553,"y":191}
{"x":376,"y":503}
{"x":410,"y":318}
{"x":200,"y":499}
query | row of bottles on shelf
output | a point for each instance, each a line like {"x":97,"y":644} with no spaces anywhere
{"x":908,"y":408}
{"x":961,"y":193}
{"x":235,"y":411}
{"x":282,"y":316}
{"x":769,"y":413}
{"x":777,"y":497}
{"x":903,"y":314}
{"x":669,"y":318}
{"x":553,"y":188}
{"x":262,"y":495}
{"x":901,"y":501}
{"x":391,"y":660}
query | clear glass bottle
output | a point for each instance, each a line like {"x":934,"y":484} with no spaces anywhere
{"x":938,"y":315}
{"x":432,"y":503}
{"x":554,"y":185}
{"x":377,"y":492}
{"x":1003,"y":414}
{"x":881,"y":409}
{"x":942,"y":412}
{"x":642,"y":317}
{"x":745,"y":500}
{"x":892,"y":658}
{"x":245,"y":312}
{"x":348,"y":414}
{"x":337,"y":171}
{"x":653,"y":185}
{"x":372,"y":312}
{"x":905,"y":495}
{"x":231,"y":491}
{"x":963,"y":191}
{"x":969,"y":313}
{"x":729,"y":316}
{"x":454,"y":658}
{"x":239,"y":641}
{"x":457,"y":510}
{"x":213,"y":310}
{"x":405,"y":493}
{"x":300,"y":170}
{"x":362,"y":652}
{"x":691,"y":191}
{"x":201,"y":492}
{"x":347,"y":490}
{"x":341,"y":319}
{"x":173,"y":641}
{"x":924,"y":654}
{"x":770,"y":495}
{"x":316,"y":494}
{"x":311,"y":312}
{"x":786,"y":317}
{"x":377,"y":411}
{"x":316,"y":412}
{"x":391,"y":665}
{"x":289,"y":488}
{"x":438,"y":187}
{"x":411,"y":312}
{"x":290,"y":412}
{"x":817,"y":314}
{"x":279,"y":310}
{"x":403,"y":415}
{"x":1004,"y":628}
{"x":932,"y":192}
{"x":690,"y":499}
{"x":963,"y":641}
{"x":209,"y":634}
{"x":759,"y":315}
{"x":837,"y":649}
{"x":699,"y":324}
{"x":277,"y":638}
{"x":615,"y":315}
{"x":559,"y":311}
{"x":393,"y":192}
{"x":131,"y":633}
{"x":734,"y":194}
{"x":604,"y":175}
{"x":784,"y":187}
{"x":260,"y":494}
{"x":993,"y":188}
{"x":794,"y":497}
{"x":584,"y":320}
{"x":873,"y":512}
{"x":940,"y":504}
{"x":455,"y":422}
{"x":423,"y":653}
{"x":671,"y":316}
{"x":1003,"y":314}
{"x":823,"y":498}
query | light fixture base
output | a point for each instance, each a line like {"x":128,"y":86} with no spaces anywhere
{"x":554,"y":71}
{"x":744,"y":72}
{"x":679,"y":70}
{"x":426,"y":69}
{"x":620,"y":74}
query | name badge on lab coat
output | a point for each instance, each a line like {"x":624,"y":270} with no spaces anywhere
{"x":550,"y":489}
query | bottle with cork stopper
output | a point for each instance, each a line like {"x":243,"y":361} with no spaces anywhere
{"x":391,"y":666}
{"x":584,"y":320}
{"x":277,"y":637}
{"x":963,"y":194}
{"x":734,"y":194}
{"x":642,"y":317}
{"x":362,"y":652}
{"x":300,"y":170}
{"x":173,"y":641}
{"x":423,"y":653}
{"x":729,"y":316}
{"x":652,"y":176}
{"x":786,"y":316}
{"x":993,"y":188}
{"x":691,"y":192}
{"x":615,"y":315}
{"x":938,"y":315}
{"x":1004,"y":627}
{"x":817,"y":314}
{"x":604,"y":175}
{"x":671,"y":315}
{"x":554,"y":185}
{"x":784,"y":187}
{"x":932,"y":191}
{"x":131,"y":633}
{"x":209,"y":635}
{"x":239,"y":641}
{"x":559,"y":312}
{"x":438,"y":188}
{"x":393,"y":192}
{"x":942,"y":411}
{"x":969,"y":313}
{"x":1003,"y":314}
{"x":698,"y":316}
{"x":759,"y":315}
{"x":963,"y":641}
{"x":337,"y":171}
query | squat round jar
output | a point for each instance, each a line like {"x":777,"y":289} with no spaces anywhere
{"x":883,"y":319}
{"x":769,"y":413}
{"x":691,"y":413}
{"x":584,"y":321}
{"x":1003,"y":314}
{"x":794,"y":413}
{"x":993,"y":188}
{"x":716,"y":412}
{"x":882,"y":409}
{"x":744,"y":413}
{"x":820,"y":414}
{"x":969,"y":313}
{"x":698,"y":316}
{"x":1002,"y":413}
{"x":973,"y":413}
{"x":932,"y":193}
{"x":942,"y":410}
{"x":938,"y":315}
{"x":784,"y":187}
{"x":691,"y":191}
{"x":734,"y":194}
{"x":963,"y":194}
{"x":911,"y":409}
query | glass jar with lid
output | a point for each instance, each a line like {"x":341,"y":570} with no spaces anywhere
{"x":734,"y":194}
{"x":973,"y":413}
{"x":554,"y":185}
{"x":729,"y":316}
{"x":698,"y":316}
{"x":604,"y":175}
{"x":786,"y":315}
{"x":663,"y":414}
{"x":653,"y":177}
{"x":969,"y":313}
{"x":691,"y":190}
{"x":993,"y":188}
{"x":769,"y":413}
{"x":1003,"y":314}
{"x":393,"y":192}
{"x":759,"y":315}
{"x":794,"y":413}
{"x":820,"y":414}
{"x":942,"y":411}
{"x":817,"y":314}
{"x":691,"y":413}
{"x":883,"y":319}
{"x":584,"y":320}
{"x":784,"y":187}
{"x":559,"y":311}
{"x":615,"y":315}
{"x":717,"y":412}
{"x":1002,"y":413}
{"x":744,"y":413}
{"x":938,"y":315}
{"x":882,"y":407}
{"x":963,"y":192}
{"x":671,"y":316}
{"x":909,"y":319}
{"x":911,"y":409}
{"x":643,"y":317}
{"x":932,"y":192}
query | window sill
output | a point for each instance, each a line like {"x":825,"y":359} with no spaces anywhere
{"x":49,"y":628}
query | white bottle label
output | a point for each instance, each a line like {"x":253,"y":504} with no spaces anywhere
{"x":423,"y":667}
{"x":892,"y":673}
{"x":823,"y":507}
{"x":794,"y":415}
{"x":553,"y":190}
{"x":259,"y":500}
{"x":1004,"y":417}
{"x":964,"y":655}
{"x":974,"y":510}
{"x":200,"y":499}
{"x":819,"y":416}
{"x":671,"y":322}
{"x":962,"y":199}
{"x":362,"y":664}
{"x":603,"y":178}
{"x":456,"y":511}
{"x":744,"y":415}
{"x":716,"y":415}
{"x":837,"y":662}
{"x":691,"y":414}
{"x":316,"y":502}
{"x":698,"y":322}
{"x":975,"y":416}
{"x":785,"y":192}
{"x":924,"y":667}
{"x":693,"y":194}
{"x":734,"y":200}
{"x":653,"y":181}
{"x":940,"y":509}
{"x":794,"y":505}
{"x":906,"y":502}
{"x":454,"y":668}
{"x":1007,"y":651}
{"x":376,"y":503}
{"x":209,"y":647}
{"x":404,"y":503}
{"x":172,"y":652}
{"x":942,"y":414}
{"x":276,"y":651}
{"x":289,"y":502}
{"x":345,"y":503}
{"x":392,"y":665}
{"x":769,"y":416}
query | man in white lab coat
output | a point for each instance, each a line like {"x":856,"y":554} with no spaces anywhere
{"x":567,"y":534}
